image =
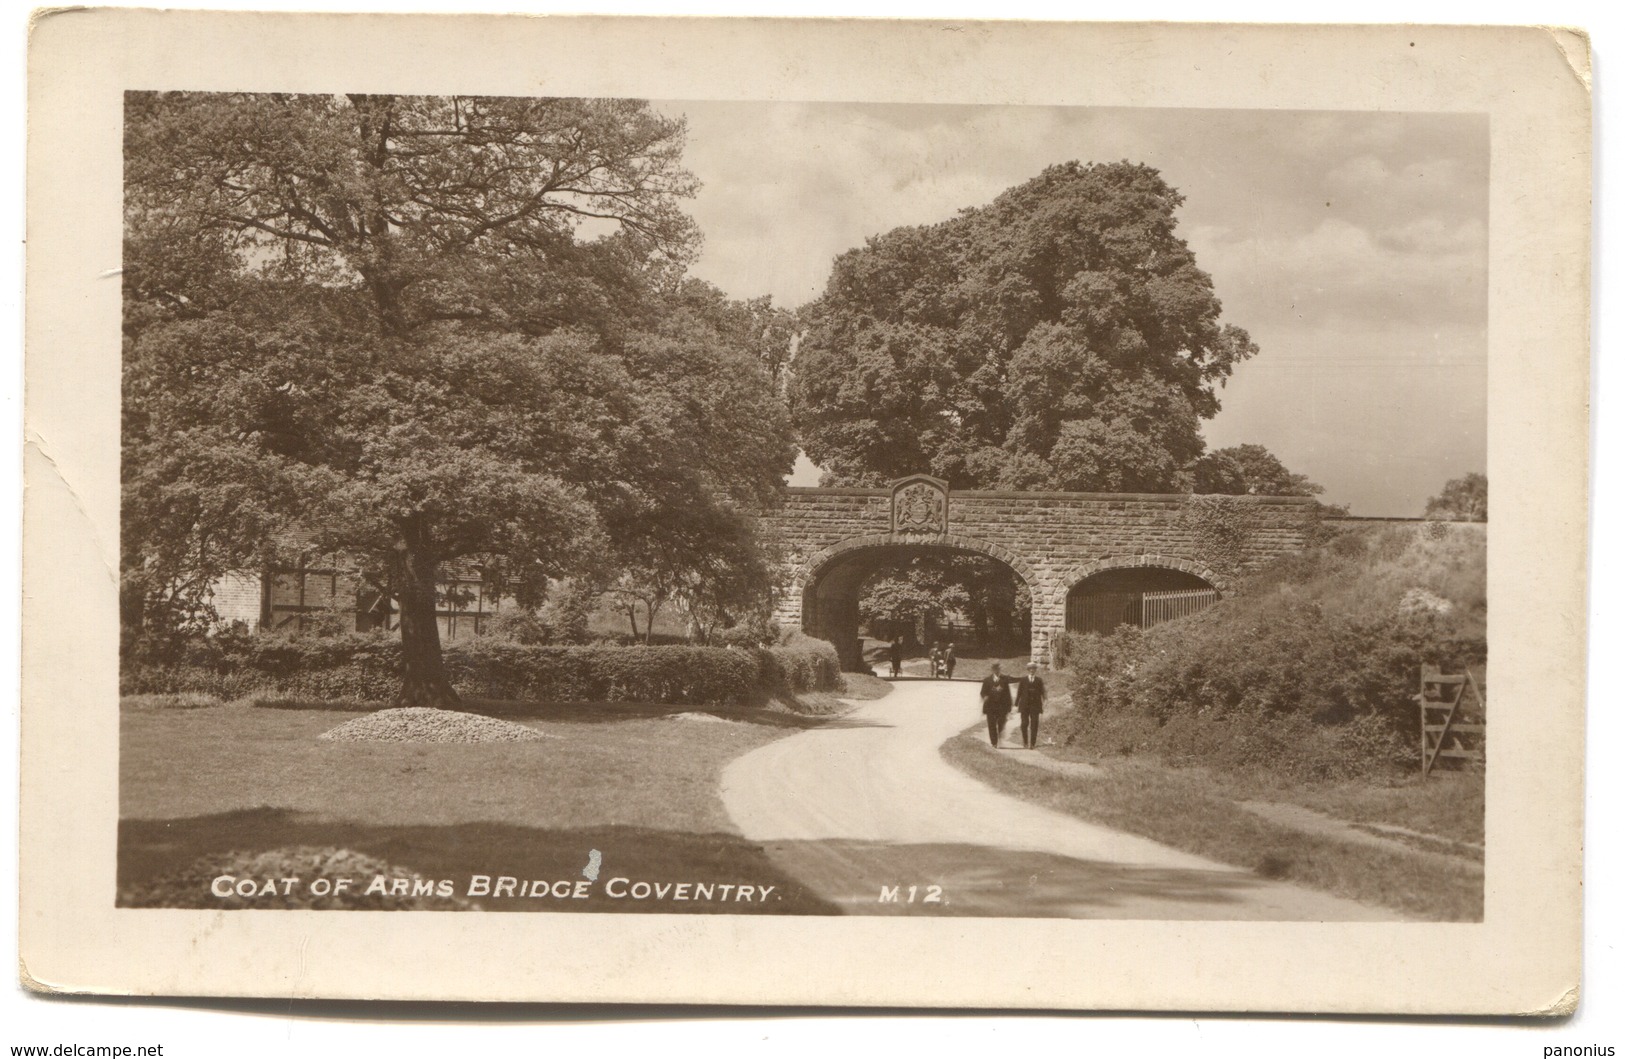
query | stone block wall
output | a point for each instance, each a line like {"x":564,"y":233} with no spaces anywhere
{"x":1052,"y":540}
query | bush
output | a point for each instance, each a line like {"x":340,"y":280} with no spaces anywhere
{"x":669,"y":674}
{"x":567,"y":610}
{"x":753,"y":632}
{"x":1308,"y":671}
{"x":517,"y":626}
{"x":1069,"y":645}
{"x":367,"y":668}
{"x":800,"y":664}
{"x":349,"y":668}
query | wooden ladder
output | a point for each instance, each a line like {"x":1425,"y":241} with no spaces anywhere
{"x":1447,"y":729}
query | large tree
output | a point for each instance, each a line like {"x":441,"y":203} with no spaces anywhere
{"x":1061,"y":337}
{"x":1249,"y":470}
{"x":420,"y":329}
{"x":1464,"y":499}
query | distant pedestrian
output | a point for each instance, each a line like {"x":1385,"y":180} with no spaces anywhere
{"x":936,"y":660}
{"x":948,"y":660}
{"x":896,"y":652}
{"x":1030,"y":704}
{"x":996,"y":703}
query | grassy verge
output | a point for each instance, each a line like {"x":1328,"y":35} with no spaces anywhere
{"x":1191,"y":813}
{"x":639,"y":783}
{"x":1443,"y":811}
{"x":1448,"y":806}
{"x":863,"y":686}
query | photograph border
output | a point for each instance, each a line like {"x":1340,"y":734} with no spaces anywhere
{"x":1534,"y":85}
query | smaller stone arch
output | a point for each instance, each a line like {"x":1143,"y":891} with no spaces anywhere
{"x":1072,"y":576}
{"x":1143,"y":590}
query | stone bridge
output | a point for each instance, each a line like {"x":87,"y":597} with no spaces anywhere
{"x":1082,"y":556}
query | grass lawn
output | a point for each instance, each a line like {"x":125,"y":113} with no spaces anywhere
{"x":1193,"y":811}
{"x":862,"y":686}
{"x":1447,"y":805}
{"x":638,"y":783}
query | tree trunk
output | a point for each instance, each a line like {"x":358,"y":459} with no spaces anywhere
{"x":979,"y":621}
{"x":632,"y":616}
{"x":423,"y":679}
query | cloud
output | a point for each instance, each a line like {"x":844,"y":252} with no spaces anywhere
{"x":1369,"y":186}
{"x":791,"y":186}
{"x":1425,"y":270}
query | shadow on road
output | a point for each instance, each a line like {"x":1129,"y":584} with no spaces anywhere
{"x":987,"y":881}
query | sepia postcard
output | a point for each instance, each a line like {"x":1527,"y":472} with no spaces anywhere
{"x":805,"y":512}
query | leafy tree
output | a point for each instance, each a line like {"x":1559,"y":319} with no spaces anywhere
{"x":732,"y":588}
{"x":755,"y":326}
{"x":917,"y":596}
{"x":703,"y":357}
{"x":377,"y":318}
{"x":1464,"y":499}
{"x":1061,"y":337}
{"x":1249,"y":470}
{"x":925,"y":590}
{"x":634,"y":588}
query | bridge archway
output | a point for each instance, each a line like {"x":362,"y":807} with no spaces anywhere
{"x":1142,"y":591}
{"x":833,"y":579}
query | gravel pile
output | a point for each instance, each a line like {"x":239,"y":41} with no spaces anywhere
{"x":195,"y":887}
{"x":421,"y":724}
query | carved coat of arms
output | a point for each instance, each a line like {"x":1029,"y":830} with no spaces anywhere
{"x":920,"y":507}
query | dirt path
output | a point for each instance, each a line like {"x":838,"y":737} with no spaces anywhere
{"x":866,"y":803}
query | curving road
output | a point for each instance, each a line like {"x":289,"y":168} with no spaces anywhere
{"x":866,"y":803}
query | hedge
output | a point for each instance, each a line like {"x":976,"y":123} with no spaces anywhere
{"x":367,"y":669}
{"x":1308,"y":671}
{"x":798,"y":664}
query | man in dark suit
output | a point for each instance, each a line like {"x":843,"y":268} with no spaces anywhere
{"x":996,"y":703}
{"x":1030,"y":704}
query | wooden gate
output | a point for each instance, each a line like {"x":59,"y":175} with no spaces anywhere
{"x":1453,"y":724}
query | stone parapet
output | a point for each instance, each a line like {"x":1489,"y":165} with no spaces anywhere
{"x":1051,"y":540}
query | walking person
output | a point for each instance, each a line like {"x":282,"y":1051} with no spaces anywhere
{"x":896,"y":652}
{"x":948,"y":660}
{"x":996,"y":704}
{"x":1030,"y":704}
{"x":936,"y":660}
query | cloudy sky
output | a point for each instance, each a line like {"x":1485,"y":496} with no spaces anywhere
{"x":1351,"y":246}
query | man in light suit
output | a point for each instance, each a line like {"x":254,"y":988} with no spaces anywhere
{"x":1030,"y":704}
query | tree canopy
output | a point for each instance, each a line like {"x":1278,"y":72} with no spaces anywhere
{"x":420,"y":329}
{"x":1061,"y":337}
{"x":922,"y":592}
{"x":1464,"y":499}
{"x":1249,"y":470}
